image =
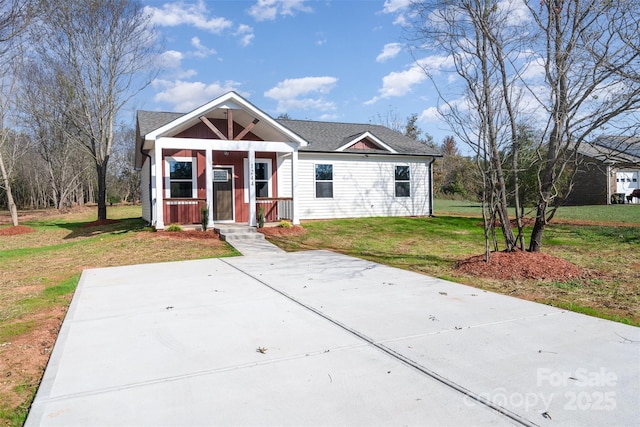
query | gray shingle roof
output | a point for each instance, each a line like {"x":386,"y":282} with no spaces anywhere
{"x":613,"y":149}
{"x":322,"y":136}
{"x":149,"y":121}
{"x":329,"y":136}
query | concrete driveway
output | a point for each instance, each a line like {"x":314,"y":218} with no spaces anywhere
{"x":317,"y":338}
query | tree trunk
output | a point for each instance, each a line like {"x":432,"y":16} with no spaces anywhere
{"x":7,"y":188}
{"x":101,"y":169}
{"x":535,"y":243}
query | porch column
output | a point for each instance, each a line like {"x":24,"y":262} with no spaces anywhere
{"x":209,"y":185}
{"x":252,"y":188}
{"x":294,"y":188}
{"x":159,"y":208}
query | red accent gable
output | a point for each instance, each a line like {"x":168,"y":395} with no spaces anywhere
{"x":365,"y":144}
{"x":200,"y":130}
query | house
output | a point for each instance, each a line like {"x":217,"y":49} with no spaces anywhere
{"x":608,"y":171}
{"x":235,"y":160}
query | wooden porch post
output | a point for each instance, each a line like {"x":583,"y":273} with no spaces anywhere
{"x":159,"y":192}
{"x":209,"y":185}
{"x":252,"y":188}
{"x":294,"y":188}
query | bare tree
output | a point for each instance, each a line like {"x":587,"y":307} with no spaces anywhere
{"x":575,"y":62}
{"x":591,"y":53}
{"x":13,"y":18}
{"x":103,"y":52}
{"x":389,"y":119}
{"x":480,"y":41}
{"x":124,"y":179}
{"x":45,"y":103}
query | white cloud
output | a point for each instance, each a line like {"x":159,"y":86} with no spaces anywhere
{"x":245,"y":33}
{"x":517,"y":12}
{"x":398,"y":7}
{"x":390,"y":50}
{"x":304,"y":93}
{"x":533,"y":68}
{"x":181,"y":13}
{"x":170,"y":59}
{"x":185,"y":96}
{"x":393,"y":6}
{"x":201,"y":50}
{"x":430,"y":115}
{"x":268,"y":10}
{"x":399,"y":83}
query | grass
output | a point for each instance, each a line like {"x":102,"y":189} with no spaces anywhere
{"x":621,"y":214}
{"x":39,"y":272}
{"x":434,"y":245}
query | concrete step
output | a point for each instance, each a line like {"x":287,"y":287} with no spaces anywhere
{"x":238,"y":232}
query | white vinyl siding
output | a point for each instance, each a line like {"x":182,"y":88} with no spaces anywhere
{"x":362,"y":186}
{"x":284,"y":176}
{"x":144,"y":190}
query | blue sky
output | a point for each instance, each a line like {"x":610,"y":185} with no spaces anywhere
{"x":335,"y":60}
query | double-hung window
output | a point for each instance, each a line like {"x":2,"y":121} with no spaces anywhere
{"x":403,"y":181}
{"x":181,"y":178}
{"x":262,"y":178}
{"x":324,"y":181}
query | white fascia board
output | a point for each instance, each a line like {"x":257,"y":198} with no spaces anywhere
{"x":396,"y":158}
{"x":225,"y":145}
{"x":370,"y":136}
{"x":229,"y":100}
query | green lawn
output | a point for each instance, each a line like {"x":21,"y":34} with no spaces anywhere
{"x":434,"y":245}
{"x":623,"y":214}
{"x":39,"y":272}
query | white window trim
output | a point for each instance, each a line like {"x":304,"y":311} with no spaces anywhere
{"x":194,"y":175}
{"x":333,"y":187}
{"x":246,"y":177}
{"x":410,"y":181}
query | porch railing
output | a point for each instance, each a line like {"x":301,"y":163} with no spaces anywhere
{"x":183,"y":211}
{"x":275,"y":208}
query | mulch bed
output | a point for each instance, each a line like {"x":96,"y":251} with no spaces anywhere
{"x":14,"y":231}
{"x":521,"y":265}
{"x":296,"y":230}
{"x":189,"y":234}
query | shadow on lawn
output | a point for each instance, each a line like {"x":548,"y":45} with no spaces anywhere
{"x":91,"y":228}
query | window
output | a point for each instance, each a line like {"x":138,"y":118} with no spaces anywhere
{"x":262,"y":179}
{"x":324,"y":181}
{"x":403,"y":181}
{"x":181,"y":178}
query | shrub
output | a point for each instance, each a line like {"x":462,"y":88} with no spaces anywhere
{"x":260,"y":216}
{"x":173,"y":228}
{"x":285,"y":224}
{"x":205,"y":218}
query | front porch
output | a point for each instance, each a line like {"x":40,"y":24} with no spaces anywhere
{"x":189,"y":211}
{"x":226,"y":157}
{"x":232,"y":184}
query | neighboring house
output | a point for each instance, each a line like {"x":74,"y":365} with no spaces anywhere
{"x":609,"y":171}
{"x":234,"y":159}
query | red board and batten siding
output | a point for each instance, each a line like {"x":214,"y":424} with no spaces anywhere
{"x":180,"y":211}
{"x":184,"y":210}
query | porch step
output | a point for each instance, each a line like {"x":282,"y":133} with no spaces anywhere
{"x":237,"y":232}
